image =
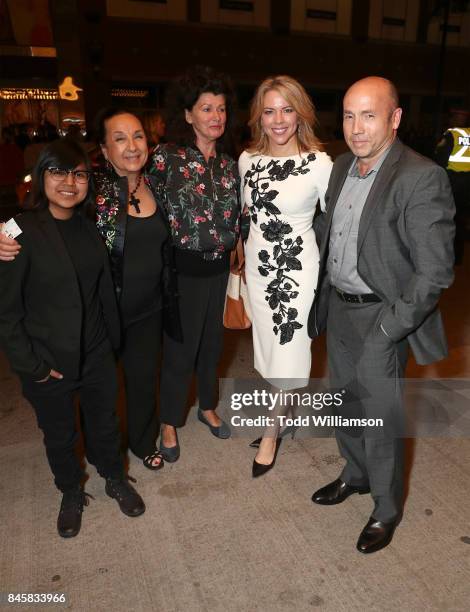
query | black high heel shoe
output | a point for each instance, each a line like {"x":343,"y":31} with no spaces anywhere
{"x":288,"y":431}
{"x":260,"y":468}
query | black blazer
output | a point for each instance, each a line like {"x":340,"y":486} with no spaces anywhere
{"x":40,"y":303}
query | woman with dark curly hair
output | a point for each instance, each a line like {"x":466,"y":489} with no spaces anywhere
{"x":199,"y":181}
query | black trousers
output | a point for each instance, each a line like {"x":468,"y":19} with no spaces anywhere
{"x":140,"y":352}
{"x":53,"y":403}
{"x":367,"y":364}
{"x":201,"y":304}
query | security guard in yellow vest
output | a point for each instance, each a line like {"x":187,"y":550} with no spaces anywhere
{"x":453,"y":154}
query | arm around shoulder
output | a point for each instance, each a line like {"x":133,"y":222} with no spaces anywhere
{"x":9,"y":247}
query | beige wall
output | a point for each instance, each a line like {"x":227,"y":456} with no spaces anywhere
{"x":457,"y":39}
{"x":400,"y":9}
{"x":301,"y":23}
{"x":259,"y":17}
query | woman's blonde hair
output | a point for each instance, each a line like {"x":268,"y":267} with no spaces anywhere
{"x":293,"y":92}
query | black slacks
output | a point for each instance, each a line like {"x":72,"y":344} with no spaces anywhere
{"x":53,"y":403}
{"x":201,"y":304}
{"x":370,"y":367}
{"x":140,"y":352}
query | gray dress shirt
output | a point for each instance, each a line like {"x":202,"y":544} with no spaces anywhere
{"x":342,"y":258}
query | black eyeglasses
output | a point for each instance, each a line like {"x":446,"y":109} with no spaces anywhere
{"x":59,"y":174}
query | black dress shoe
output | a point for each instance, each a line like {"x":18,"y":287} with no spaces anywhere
{"x":376,"y":535}
{"x":126,"y":496}
{"x":336,"y":492}
{"x":69,"y":520}
{"x":261,"y":468}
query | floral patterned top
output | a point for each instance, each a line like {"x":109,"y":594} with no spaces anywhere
{"x":111,"y":205}
{"x":201,"y":199}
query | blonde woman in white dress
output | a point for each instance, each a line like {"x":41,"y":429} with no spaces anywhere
{"x":284,"y":174}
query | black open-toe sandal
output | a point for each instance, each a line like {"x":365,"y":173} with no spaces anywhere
{"x":149,"y":461}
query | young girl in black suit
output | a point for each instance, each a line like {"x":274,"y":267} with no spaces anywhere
{"x":59,"y":325}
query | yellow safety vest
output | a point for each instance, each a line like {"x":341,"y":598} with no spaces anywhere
{"x":459,"y":159}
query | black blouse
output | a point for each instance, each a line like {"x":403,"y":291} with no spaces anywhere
{"x":142,"y":267}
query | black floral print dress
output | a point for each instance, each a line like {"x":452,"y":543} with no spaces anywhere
{"x":281,"y":194}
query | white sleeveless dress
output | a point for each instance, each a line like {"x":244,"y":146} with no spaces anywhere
{"x":282,"y":258}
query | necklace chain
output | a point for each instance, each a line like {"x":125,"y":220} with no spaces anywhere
{"x":133,"y":200}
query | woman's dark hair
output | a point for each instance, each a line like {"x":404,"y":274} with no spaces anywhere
{"x":183,"y":95}
{"x":102,"y":116}
{"x":66,"y":154}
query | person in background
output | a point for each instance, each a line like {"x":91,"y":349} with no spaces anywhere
{"x":59,"y":325}
{"x":453,"y":153}
{"x":199,"y":182}
{"x":22,"y":136}
{"x":154,"y":126}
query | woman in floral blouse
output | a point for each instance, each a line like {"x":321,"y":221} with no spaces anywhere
{"x":199,"y":182}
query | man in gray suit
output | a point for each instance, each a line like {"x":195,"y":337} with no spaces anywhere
{"x":386,"y":254}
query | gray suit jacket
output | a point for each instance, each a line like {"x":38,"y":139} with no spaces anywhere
{"x":405,"y":248}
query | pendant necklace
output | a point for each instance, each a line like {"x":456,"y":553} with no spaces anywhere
{"x":133,"y":200}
